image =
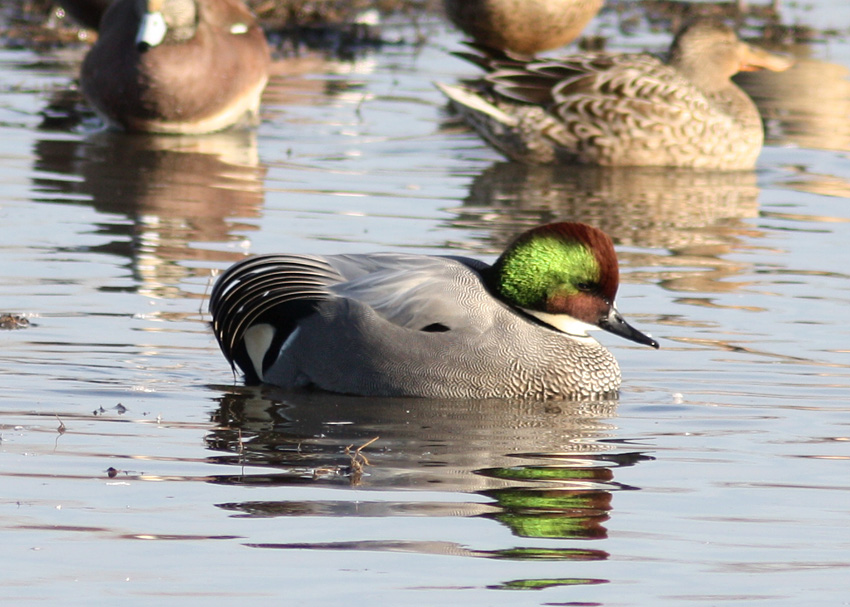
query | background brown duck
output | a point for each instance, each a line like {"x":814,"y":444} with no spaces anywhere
{"x":522,"y":26}
{"x":623,"y":110}
{"x":177,"y":66}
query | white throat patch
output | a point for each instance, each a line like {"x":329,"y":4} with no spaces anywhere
{"x":565,"y":323}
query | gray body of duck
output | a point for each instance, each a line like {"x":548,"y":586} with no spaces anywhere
{"x":177,"y":66}
{"x":623,"y":110}
{"x":522,"y":26}
{"x":443,"y":327}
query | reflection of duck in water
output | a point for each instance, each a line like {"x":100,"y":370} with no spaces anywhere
{"x":544,"y":469}
{"x":644,"y":206}
{"x":522,"y":26}
{"x":177,"y":66}
{"x":439,"y":327}
{"x":808,"y":105}
{"x":626,"y":110}
{"x":465,"y":436}
{"x":180,"y":194}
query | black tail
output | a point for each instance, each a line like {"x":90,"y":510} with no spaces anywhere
{"x":273,"y":289}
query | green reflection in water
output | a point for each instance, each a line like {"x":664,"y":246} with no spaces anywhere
{"x":550,"y":554}
{"x":545,"y":583}
{"x":548,"y":473}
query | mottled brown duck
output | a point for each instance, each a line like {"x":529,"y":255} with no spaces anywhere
{"x":522,"y":26}
{"x":623,"y":109}
{"x":177,"y":66}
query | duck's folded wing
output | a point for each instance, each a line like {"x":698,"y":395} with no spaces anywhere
{"x":534,"y":81}
{"x":636,"y":94}
{"x":591,"y":86}
{"x":416,"y":292}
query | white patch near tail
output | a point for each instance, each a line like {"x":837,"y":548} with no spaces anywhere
{"x":257,"y":340}
{"x":475,"y":103}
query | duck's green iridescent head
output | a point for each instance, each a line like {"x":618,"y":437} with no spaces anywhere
{"x":546,"y":264}
{"x":565,"y":274}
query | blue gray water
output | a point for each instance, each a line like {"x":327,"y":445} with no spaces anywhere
{"x":136,"y":468}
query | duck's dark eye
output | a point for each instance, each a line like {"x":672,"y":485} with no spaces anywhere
{"x":584,"y":286}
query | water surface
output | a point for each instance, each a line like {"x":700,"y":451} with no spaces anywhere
{"x":137,"y":468}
